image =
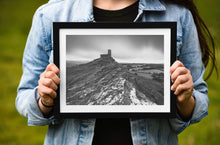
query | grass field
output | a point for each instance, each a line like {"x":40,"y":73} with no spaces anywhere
{"x":15,"y":22}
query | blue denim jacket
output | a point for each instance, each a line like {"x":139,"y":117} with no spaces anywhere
{"x":39,"y":53}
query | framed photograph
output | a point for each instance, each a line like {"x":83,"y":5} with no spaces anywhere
{"x":112,"y":70}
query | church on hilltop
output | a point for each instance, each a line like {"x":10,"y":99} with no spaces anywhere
{"x":108,"y":55}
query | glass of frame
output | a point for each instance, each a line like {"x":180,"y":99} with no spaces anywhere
{"x":114,"y":69}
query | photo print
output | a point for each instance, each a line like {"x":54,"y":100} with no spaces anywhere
{"x":115,"y":70}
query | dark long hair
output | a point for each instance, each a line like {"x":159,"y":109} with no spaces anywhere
{"x":205,"y":38}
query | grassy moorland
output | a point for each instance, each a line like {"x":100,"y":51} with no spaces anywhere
{"x":15,"y":22}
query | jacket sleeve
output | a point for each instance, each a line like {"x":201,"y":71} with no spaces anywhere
{"x":190,"y":56}
{"x":35,"y":60}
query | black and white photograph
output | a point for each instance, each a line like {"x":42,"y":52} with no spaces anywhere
{"x":113,"y":70}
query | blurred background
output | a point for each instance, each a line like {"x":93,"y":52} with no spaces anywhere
{"x":15,"y":22}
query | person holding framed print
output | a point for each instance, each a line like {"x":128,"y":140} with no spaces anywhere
{"x":40,"y":79}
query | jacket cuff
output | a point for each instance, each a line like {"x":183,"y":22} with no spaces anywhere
{"x":199,"y":112}
{"x":27,"y":106}
{"x":35,"y":116}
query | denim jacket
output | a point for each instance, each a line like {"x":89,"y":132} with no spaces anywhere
{"x":39,"y":53}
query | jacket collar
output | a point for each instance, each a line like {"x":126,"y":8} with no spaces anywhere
{"x":151,"y":5}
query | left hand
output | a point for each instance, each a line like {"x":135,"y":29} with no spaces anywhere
{"x":183,"y":88}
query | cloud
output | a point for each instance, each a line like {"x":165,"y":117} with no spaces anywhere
{"x":125,"y":48}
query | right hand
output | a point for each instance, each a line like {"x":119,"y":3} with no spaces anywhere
{"x":47,"y":85}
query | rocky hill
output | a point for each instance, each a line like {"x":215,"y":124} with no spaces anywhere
{"x":103,"y":81}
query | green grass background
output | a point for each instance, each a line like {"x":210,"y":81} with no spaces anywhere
{"x":15,"y":23}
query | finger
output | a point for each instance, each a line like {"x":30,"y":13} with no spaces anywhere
{"x":179,"y":71}
{"x":49,"y":83}
{"x":53,"y":76}
{"x":179,"y":80}
{"x":53,"y":67}
{"x":43,"y":90}
{"x":188,"y":86}
{"x":43,"y":74}
{"x":175,"y":65}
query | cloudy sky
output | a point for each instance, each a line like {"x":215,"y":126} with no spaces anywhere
{"x":125,"y":48}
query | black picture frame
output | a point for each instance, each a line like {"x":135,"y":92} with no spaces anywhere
{"x":78,"y":100}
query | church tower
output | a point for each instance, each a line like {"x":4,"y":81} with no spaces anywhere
{"x":108,"y":55}
{"x":109,"y":52}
